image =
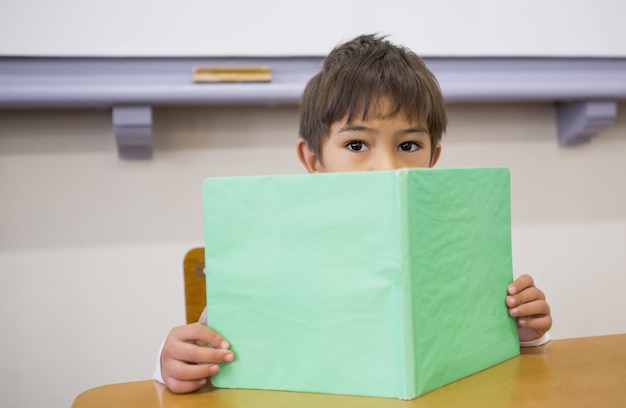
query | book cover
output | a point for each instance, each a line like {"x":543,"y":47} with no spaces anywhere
{"x":386,"y":284}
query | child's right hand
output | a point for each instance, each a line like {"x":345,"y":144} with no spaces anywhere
{"x":186,"y":359}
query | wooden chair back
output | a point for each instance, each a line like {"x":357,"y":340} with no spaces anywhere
{"x":195,"y":284}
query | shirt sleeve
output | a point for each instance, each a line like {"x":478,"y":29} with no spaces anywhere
{"x":538,"y":342}
{"x":157,"y":369}
{"x":203,"y":319}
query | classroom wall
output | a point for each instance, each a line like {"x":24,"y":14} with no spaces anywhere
{"x":91,"y":246}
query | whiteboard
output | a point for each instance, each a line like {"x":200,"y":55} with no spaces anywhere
{"x":207,"y":28}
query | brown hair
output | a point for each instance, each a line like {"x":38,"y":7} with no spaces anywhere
{"x":357,"y":75}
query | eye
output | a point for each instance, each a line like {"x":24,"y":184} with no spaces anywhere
{"x":408,"y":146}
{"x":356,"y":146}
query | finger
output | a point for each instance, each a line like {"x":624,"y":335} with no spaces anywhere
{"x":540,"y":324}
{"x":526,"y":334}
{"x":535,"y":308}
{"x":181,"y":387}
{"x":182,"y":371}
{"x":527,"y":295}
{"x":192,"y":353}
{"x":197,"y":332}
{"x":521,"y":283}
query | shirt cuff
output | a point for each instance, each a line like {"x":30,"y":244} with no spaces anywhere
{"x":538,"y":342}
{"x":157,"y":369}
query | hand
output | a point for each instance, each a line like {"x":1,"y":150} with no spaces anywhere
{"x":186,"y":359}
{"x":528,"y":304}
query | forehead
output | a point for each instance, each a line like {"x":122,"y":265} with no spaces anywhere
{"x":378,"y":124}
{"x":382,"y":109}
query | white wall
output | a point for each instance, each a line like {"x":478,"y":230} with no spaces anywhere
{"x":91,"y":246}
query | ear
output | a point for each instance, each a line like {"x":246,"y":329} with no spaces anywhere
{"x":435,"y":155}
{"x":307,"y":157}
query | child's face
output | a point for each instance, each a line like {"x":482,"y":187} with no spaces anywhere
{"x":373,"y":144}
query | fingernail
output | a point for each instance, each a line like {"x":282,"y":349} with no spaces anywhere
{"x":224,"y":345}
{"x":514,"y":311}
{"x":521,"y":322}
{"x":229,"y":357}
{"x":214,"y":369}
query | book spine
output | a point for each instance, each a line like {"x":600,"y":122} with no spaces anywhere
{"x":408,"y":355}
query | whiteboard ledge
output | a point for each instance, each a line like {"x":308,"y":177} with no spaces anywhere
{"x":42,"y":82}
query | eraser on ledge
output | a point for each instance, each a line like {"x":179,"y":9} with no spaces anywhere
{"x":232,"y":74}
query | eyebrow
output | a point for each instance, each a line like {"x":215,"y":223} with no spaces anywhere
{"x":351,"y":128}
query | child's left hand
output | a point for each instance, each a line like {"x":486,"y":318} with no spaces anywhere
{"x":528,"y":305}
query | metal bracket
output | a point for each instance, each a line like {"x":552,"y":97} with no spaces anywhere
{"x":133,"y":131}
{"x":579,"y":122}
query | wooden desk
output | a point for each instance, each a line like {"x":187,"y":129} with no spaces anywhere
{"x":588,"y":371}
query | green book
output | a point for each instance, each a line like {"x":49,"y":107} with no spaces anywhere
{"x":386,"y":283}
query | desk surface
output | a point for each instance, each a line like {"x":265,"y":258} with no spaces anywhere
{"x":588,"y":371}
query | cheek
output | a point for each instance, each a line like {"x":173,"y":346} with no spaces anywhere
{"x":420,"y":160}
{"x":342,"y":160}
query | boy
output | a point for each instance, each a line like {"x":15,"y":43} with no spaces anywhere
{"x":373,"y":106}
